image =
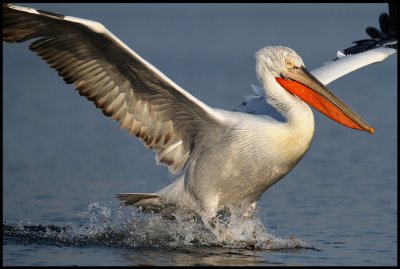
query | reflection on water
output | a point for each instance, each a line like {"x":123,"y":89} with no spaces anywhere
{"x":205,"y":256}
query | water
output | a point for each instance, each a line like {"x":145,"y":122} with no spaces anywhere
{"x":63,"y":161}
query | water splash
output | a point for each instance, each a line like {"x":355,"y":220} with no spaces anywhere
{"x":127,"y":227}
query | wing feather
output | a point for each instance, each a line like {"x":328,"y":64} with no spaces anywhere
{"x":123,"y":85}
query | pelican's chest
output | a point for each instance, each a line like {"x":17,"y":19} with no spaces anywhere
{"x":292,"y":143}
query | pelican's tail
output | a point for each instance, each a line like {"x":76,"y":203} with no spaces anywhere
{"x":146,"y":201}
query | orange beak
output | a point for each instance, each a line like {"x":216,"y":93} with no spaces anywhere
{"x":303,"y":84}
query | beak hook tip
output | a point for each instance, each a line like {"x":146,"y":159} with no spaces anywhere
{"x":371,"y":130}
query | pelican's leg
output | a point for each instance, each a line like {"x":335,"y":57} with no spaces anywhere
{"x":219,"y":222}
{"x":214,"y":221}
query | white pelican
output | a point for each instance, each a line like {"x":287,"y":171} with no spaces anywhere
{"x":223,"y":158}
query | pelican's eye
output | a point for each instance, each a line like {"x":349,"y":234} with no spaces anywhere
{"x":289,"y":64}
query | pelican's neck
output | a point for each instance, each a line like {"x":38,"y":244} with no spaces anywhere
{"x":298,"y":115}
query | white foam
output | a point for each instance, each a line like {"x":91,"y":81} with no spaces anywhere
{"x":126,"y":227}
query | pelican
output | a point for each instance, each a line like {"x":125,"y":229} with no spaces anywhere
{"x":220,"y":158}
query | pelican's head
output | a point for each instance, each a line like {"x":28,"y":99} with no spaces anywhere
{"x":275,"y":60}
{"x":284,"y":69}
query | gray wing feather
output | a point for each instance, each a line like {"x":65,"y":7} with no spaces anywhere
{"x":119,"y":82}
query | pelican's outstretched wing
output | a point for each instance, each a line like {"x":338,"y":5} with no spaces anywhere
{"x":126,"y":87}
{"x":365,"y":52}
